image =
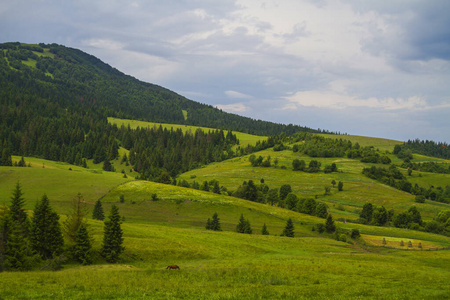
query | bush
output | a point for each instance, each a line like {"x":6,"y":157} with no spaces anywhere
{"x":355,"y":234}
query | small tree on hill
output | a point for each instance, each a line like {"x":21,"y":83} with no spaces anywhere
{"x":264,"y":230}
{"x":243,"y":226}
{"x":340,"y":186}
{"x":329,"y":224}
{"x":215,"y":222}
{"x":288,"y":229}
{"x":98,"y":213}
{"x":112,"y":237}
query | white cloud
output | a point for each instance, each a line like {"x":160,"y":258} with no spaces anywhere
{"x":334,"y":100}
{"x":237,"y":95}
{"x":233,"y":108}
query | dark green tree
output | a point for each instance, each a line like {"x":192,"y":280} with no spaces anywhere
{"x":366,"y":213}
{"x":208,"y":224}
{"x":112,"y":245}
{"x":272,"y":196}
{"x":215,"y":222}
{"x":415,"y":215}
{"x":380,"y":216}
{"x":16,"y":253}
{"x":298,"y":165}
{"x":6,"y":159}
{"x":216,"y":187}
{"x":45,"y":234}
{"x":340,"y":186}
{"x":244,"y":226}
{"x":264,"y":230}
{"x":98,"y":213}
{"x":17,"y":211}
{"x":107,"y":166}
{"x":291,"y":201}
{"x":288,"y":229}
{"x":285,"y":189}
{"x":321,"y":210}
{"x":82,"y":250}
{"x":330,"y":227}
{"x":314,"y":166}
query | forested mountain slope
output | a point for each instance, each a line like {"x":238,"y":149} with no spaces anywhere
{"x":73,"y":80}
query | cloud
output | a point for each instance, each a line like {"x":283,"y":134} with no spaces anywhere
{"x":237,"y":95}
{"x":334,"y":100}
{"x":233,"y":108}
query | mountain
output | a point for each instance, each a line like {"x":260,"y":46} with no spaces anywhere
{"x":73,"y":80}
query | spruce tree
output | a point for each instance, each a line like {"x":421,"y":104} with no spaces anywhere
{"x":289,"y":229}
{"x":264,"y":230}
{"x":17,"y":255}
{"x":244,"y":226}
{"x":329,"y":224}
{"x":45,"y":235}
{"x":98,"y":213}
{"x":16,"y":210}
{"x":208,"y":224}
{"x":112,"y":237}
{"x":82,"y":249}
{"x":215,"y":223}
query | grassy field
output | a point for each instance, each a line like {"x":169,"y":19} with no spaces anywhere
{"x":226,"y":264}
{"x":358,"y":189}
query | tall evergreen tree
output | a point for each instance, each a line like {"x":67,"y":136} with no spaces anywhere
{"x":17,"y":211}
{"x":330,"y":227}
{"x":45,"y":235}
{"x":112,"y":238}
{"x":289,"y":229}
{"x":82,"y":251}
{"x":98,"y":213}
{"x":264,"y":230}
{"x":17,"y":255}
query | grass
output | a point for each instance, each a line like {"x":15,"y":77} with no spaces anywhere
{"x":228,"y":265}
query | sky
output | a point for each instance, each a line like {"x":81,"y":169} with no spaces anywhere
{"x":372,"y":68}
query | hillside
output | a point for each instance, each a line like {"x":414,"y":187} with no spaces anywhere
{"x":73,"y":80}
{"x":213,"y":264}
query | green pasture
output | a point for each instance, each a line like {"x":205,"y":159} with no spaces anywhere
{"x":226,"y":264}
{"x":244,"y":138}
{"x":378,"y":143}
{"x":358,"y":189}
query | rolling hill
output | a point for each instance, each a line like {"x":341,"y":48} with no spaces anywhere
{"x":83,"y":128}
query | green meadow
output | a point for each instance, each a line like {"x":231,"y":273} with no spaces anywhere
{"x":226,"y":264}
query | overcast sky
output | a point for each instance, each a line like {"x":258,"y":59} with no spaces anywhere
{"x":374,"y":68}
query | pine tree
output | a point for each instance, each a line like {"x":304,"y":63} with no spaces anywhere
{"x":6,"y":159}
{"x":16,"y":210}
{"x":215,"y":223}
{"x":289,"y":229}
{"x":17,"y":255}
{"x":82,"y":249}
{"x":45,"y":235}
{"x":329,"y":224}
{"x":112,"y":238}
{"x":75,"y":219}
{"x":264,"y":230}
{"x":98,"y":213}
{"x":208,"y":224}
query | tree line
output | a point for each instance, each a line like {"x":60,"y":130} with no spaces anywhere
{"x":42,"y":241}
